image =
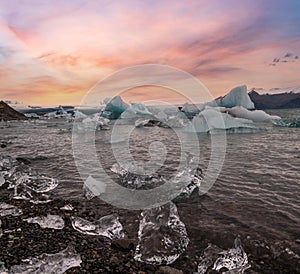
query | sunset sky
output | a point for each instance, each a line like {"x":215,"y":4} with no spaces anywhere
{"x":52,"y":52}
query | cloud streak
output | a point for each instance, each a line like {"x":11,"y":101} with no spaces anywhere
{"x":60,"y":49}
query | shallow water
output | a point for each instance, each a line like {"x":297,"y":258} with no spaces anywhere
{"x":256,"y":194}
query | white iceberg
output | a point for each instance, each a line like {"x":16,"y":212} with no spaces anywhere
{"x":192,"y":109}
{"x":58,"y":114}
{"x":115,"y":107}
{"x":162,"y":235}
{"x":49,"y":221}
{"x":57,"y":263}
{"x":210,"y":120}
{"x":236,"y":97}
{"x":140,"y":109}
{"x":254,"y":115}
{"x":135,"y":110}
{"x":79,"y":115}
{"x":108,"y":226}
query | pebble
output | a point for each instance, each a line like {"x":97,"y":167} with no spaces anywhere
{"x":168,"y":270}
{"x":123,"y":244}
{"x":114,"y":260}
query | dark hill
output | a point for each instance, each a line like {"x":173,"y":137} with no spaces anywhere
{"x":275,"y":101}
{"x":8,"y":113}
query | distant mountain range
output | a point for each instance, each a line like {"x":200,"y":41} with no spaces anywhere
{"x":275,"y":101}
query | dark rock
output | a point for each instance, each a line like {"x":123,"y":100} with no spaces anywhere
{"x":3,"y":145}
{"x":114,"y":260}
{"x":168,"y":270}
{"x":123,"y":244}
{"x":23,"y":160}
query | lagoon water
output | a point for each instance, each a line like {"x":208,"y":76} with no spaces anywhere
{"x":255,"y":196}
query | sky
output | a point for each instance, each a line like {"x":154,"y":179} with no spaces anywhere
{"x":53,"y":52}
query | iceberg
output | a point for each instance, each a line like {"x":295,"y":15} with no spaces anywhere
{"x":50,"y":221}
{"x":135,"y":110}
{"x":236,"y":97}
{"x":57,"y":263}
{"x":140,"y":109}
{"x":254,"y":115}
{"x":108,"y":226}
{"x":210,"y":119}
{"x":9,"y":210}
{"x":60,"y":113}
{"x":162,"y":236}
{"x":234,"y":260}
{"x":115,"y":107}
{"x":191,"y":109}
{"x":292,"y":123}
{"x":79,"y":115}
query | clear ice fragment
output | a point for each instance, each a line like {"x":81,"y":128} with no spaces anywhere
{"x":49,"y":221}
{"x":9,"y":210}
{"x":56,"y":263}
{"x":108,"y":226}
{"x":162,"y":235}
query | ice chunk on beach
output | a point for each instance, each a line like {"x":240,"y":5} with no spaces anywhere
{"x":49,"y":221}
{"x":9,"y":210}
{"x":162,"y":235}
{"x":211,"y":119}
{"x":67,"y":207}
{"x":108,"y":226}
{"x":234,"y":260}
{"x":238,"y":96}
{"x":136,"y":178}
{"x":56,"y":263}
{"x":3,"y":270}
{"x":26,"y":183}
{"x":207,"y":259}
{"x":2,"y":180}
{"x":254,"y":115}
{"x":93,"y":188}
